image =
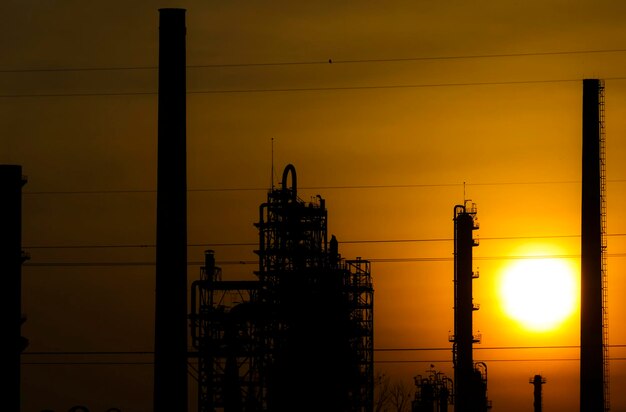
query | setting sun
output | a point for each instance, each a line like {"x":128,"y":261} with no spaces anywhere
{"x":539,"y":293}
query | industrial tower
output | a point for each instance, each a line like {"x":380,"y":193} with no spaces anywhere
{"x":170,"y":327}
{"x":11,"y":259}
{"x":537,"y":381}
{"x":470,"y":379}
{"x":300,"y":338}
{"x":594,"y":361}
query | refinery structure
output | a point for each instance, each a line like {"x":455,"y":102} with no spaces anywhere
{"x":470,"y":378}
{"x":308,"y":304}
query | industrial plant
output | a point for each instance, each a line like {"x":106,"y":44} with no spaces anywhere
{"x":300,"y":335}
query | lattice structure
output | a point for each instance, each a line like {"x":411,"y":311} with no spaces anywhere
{"x":224,"y":323}
{"x":360,"y":298}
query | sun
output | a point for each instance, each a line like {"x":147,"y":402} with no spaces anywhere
{"x":540,"y":294}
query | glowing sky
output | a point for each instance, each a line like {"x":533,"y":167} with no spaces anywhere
{"x":516,"y":145}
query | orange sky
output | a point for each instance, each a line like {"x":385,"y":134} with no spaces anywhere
{"x":518,"y":147}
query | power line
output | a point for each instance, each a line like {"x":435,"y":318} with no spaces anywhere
{"x":40,"y":353}
{"x":86,"y":363}
{"x":305,"y":89}
{"x":429,"y":349}
{"x":375,"y":361}
{"x":254,"y":262}
{"x":148,"y":363}
{"x":407,"y":349}
{"x":493,"y":360}
{"x":360,"y":241}
{"x":491,"y":348}
{"x":317,"y":62}
{"x":264,"y":189}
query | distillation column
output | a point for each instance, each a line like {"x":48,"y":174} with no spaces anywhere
{"x":463,"y":338}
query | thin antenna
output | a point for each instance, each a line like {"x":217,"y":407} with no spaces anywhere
{"x":464,"y":196}
{"x":272,"y":172}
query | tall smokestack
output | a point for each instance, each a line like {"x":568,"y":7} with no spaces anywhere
{"x":170,"y":343}
{"x":11,"y":182}
{"x":591,"y":319}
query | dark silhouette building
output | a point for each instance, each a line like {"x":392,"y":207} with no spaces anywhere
{"x":11,"y":258}
{"x":300,"y":338}
{"x":170,"y":343}
{"x":470,"y":379}
{"x":594,"y":395}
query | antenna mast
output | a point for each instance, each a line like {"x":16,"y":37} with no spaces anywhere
{"x":272,"y":171}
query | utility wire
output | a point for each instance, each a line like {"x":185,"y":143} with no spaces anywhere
{"x":264,"y":189}
{"x":148,"y":363}
{"x":255,"y":262}
{"x":132,"y":363}
{"x":318,"y":62}
{"x":493,"y":360}
{"x":413,"y":349}
{"x":235,"y":244}
{"x":304,"y":89}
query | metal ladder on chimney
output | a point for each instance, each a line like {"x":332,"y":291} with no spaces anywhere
{"x":605,"y":313}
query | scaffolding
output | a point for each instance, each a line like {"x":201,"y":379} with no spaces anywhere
{"x":298,"y":338}
{"x":224,"y":321}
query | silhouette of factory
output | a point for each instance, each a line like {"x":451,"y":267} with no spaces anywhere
{"x":301,"y":336}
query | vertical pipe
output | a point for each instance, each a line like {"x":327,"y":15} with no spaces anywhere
{"x":591,"y":349}
{"x":170,"y":345}
{"x":11,"y":268}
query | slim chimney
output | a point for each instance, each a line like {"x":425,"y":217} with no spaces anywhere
{"x":11,"y":183}
{"x":591,"y":319}
{"x":170,"y":343}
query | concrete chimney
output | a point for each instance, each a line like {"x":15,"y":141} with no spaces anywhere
{"x":170,"y":343}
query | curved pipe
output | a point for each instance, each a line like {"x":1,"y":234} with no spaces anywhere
{"x":294,"y":180}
